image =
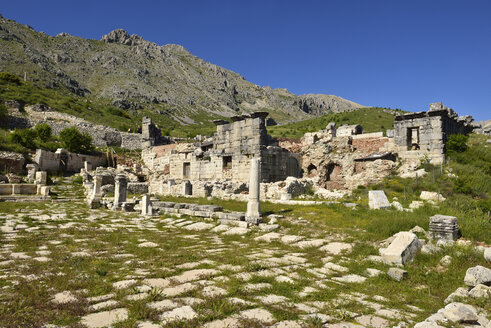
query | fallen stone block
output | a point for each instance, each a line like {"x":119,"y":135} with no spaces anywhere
{"x":477,"y":275}
{"x":402,"y":250}
{"x":378,"y":200}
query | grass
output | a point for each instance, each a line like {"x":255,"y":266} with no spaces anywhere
{"x":371,"y":119}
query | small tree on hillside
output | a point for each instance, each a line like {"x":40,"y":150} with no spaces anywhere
{"x":75,"y":141}
{"x":457,"y":143}
{"x":43,"y":131}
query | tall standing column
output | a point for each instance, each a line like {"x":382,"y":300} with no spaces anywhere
{"x":253,"y":214}
{"x":119,"y":190}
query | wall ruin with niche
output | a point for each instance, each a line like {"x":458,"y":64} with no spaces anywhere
{"x":421,"y":134}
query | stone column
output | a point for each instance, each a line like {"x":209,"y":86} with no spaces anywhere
{"x":41,"y":177}
{"x":119,"y":190}
{"x":253,"y":214}
{"x":146,"y":206}
{"x":87,"y":166}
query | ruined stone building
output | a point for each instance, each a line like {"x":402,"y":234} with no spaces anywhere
{"x":421,"y":134}
{"x":224,"y":158}
{"x":340,"y":158}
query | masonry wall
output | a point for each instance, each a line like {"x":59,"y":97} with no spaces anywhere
{"x":63,"y":160}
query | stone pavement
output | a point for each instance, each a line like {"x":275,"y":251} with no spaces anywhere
{"x":104,"y":267}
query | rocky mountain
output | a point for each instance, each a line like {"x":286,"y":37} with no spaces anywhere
{"x":135,"y":74}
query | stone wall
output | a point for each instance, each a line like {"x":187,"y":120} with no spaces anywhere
{"x":11,"y":162}
{"x":102,"y":136}
{"x":62,"y":160}
{"x":370,"y":145}
{"x":427,"y":132}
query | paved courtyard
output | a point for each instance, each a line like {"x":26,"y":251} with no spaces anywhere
{"x":62,"y":264}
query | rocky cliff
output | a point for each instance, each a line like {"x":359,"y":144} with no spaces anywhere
{"x":134,"y":74}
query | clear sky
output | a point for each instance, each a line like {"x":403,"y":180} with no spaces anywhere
{"x":390,"y":53}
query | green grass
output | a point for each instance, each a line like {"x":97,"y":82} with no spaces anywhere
{"x":371,"y":119}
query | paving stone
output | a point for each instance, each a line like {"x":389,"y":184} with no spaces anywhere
{"x":350,"y":278}
{"x":255,"y":287}
{"x":178,"y":290}
{"x":335,"y":267}
{"x":287,"y":324}
{"x":220,"y":228}
{"x":157,"y":282}
{"x":190,"y":300}
{"x":323,"y":318}
{"x":147,"y":324}
{"x":163,"y":305}
{"x":104,"y":319}
{"x":290,"y":239}
{"x":41,"y":259}
{"x":123,"y":284}
{"x":194,"y":275}
{"x":236,"y":231}
{"x":136,"y":297}
{"x":238,"y":301}
{"x":310,"y":243}
{"x":372,"y":321}
{"x":19,"y":256}
{"x":224,"y":323}
{"x":103,"y":305}
{"x":148,"y":244}
{"x":179,"y":314}
{"x":199,"y":226}
{"x":213,"y":291}
{"x":336,"y":248}
{"x":64,"y":297}
{"x":259,"y":314}
{"x":272,"y":299}
{"x":284,"y":279}
{"x":269,"y":237}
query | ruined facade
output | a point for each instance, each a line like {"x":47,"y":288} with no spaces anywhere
{"x":425,"y":133}
{"x":63,"y":160}
{"x":224,"y":157}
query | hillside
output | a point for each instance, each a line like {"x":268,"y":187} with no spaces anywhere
{"x":371,"y":119}
{"x":139,"y":76}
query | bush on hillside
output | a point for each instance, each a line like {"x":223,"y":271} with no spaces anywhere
{"x":10,"y":78}
{"x":3,"y":115}
{"x":75,"y":141}
{"x":43,"y":131}
{"x":25,"y":137}
{"x":457,"y":143}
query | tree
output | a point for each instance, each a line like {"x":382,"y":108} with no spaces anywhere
{"x":75,"y":141}
{"x":43,"y":131}
{"x":25,"y":137}
{"x":457,"y":143}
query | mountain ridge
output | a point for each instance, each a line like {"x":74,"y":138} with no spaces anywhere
{"x":134,"y":74}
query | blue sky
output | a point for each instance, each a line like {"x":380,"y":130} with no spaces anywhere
{"x":391,"y":53}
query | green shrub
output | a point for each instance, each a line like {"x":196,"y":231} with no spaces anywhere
{"x":10,"y":78}
{"x":43,"y":131}
{"x":457,"y":143}
{"x":3,"y":115}
{"x":75,"y":141}
{"x":25,"y":137}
